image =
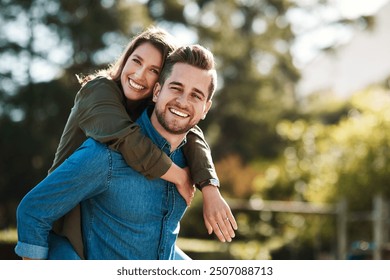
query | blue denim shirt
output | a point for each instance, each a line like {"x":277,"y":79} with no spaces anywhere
{"x":124,"y":215}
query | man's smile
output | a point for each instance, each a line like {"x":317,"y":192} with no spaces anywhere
{"x":178,"y":113}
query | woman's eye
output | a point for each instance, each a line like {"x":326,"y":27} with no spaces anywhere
{"x":136,"y":61}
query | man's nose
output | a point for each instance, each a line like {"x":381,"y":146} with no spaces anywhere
{"x":182,"y":99}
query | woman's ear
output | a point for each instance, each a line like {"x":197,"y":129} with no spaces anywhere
{"x":156,"y":91}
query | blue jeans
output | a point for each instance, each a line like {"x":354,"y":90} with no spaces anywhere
{"x":124,"y":215}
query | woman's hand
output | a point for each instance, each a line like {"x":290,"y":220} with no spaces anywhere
{"x":217,"y":214}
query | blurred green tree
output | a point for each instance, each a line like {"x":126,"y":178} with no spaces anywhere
{"x":329,"y":161}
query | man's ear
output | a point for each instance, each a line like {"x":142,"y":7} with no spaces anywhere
{"x":156,"y":91}
{"x":207,"y":108}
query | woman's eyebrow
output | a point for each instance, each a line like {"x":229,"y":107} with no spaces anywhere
{"x":140,"y":58}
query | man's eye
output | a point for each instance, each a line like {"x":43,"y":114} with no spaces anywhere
{"x":197,"y":96}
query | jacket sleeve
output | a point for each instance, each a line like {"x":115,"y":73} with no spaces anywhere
{"x":199,"y":158}
{"x":103,"y":117}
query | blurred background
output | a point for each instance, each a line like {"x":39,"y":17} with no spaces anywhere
{"x":299,"y":129}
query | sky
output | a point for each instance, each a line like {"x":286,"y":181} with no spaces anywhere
{"x":353,"y":8}
{"x":313,"y":34}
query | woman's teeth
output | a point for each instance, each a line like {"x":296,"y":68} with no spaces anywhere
{"x":135,"y":85}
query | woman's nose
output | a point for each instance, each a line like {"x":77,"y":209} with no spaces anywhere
{"x":140,"y":72}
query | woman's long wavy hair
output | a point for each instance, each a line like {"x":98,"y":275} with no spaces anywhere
{"x":158,"y":37}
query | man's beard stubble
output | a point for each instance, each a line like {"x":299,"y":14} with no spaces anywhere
{"x":171,"y":128}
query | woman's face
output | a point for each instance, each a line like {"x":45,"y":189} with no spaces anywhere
{"x":141,"y":72}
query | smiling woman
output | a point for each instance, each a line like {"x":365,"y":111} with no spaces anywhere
{"x":141,"y":71}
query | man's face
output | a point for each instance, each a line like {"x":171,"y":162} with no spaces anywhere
{"x":182,"y":101}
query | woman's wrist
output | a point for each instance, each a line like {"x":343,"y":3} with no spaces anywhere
{"x":209,"y":182}
{"x":175,"y":175}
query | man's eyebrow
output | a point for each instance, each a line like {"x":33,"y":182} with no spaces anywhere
{"x":200,"y":92}
{"x":176,"y":84}
{"x":194,"y":89}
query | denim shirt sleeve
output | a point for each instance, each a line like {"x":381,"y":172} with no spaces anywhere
{"x":80,"y":177}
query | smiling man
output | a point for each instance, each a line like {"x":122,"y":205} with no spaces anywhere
{"x":128,"y":216}
{"x":181,"y":107}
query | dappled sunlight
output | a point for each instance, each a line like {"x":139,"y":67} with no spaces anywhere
{"x":8,"y":235}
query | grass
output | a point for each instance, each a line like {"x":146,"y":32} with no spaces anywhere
{"x":8,"y":235}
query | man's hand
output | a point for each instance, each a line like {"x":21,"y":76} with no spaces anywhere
{"x":182,"y":179}
{"x":217,"y":214}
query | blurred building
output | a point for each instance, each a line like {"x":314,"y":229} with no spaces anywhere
{"x":363,"y":61}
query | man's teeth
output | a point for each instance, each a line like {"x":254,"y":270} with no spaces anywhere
{"x":176,"y":112}
{"x":135,"y":85}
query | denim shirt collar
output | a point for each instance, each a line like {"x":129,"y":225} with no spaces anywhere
{"x":148,"y":129}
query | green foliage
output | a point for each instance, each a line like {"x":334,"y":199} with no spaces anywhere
{"x":236,"y":178}
{"x":8,"y":235}
{"x":345,"y":159}
{"x":335,"y":150}
{"x":28,"y":144}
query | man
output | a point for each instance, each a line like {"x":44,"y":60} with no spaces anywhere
{"x":128,"y":216}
